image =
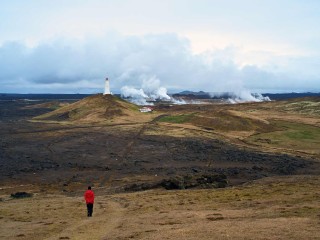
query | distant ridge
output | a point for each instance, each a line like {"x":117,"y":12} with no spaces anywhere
{"x":283,"y":96}
{"x":191,"y":94}
{"x":42,"y":96}
{"x":226,"y":95}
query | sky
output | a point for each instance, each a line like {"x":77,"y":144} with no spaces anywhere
{"x":211,"y":45}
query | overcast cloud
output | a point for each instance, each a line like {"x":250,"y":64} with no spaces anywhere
{"x":202,"y":45}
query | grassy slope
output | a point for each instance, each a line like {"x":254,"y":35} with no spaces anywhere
{"x":291,"y":126}
{"x":183,"y":118}
{"x":219,"y":121}
{"x":97,"y":108}
{"x":292,"y":135}
{"x":303,"y":107}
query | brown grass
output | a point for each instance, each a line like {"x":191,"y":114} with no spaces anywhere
{"x":96,"y":109}
{"x":273,"y":208}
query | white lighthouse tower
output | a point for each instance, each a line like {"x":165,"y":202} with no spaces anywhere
{"x":107,"y":87}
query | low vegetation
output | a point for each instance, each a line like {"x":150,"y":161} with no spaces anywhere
{"x":302,"y":107}
{"x":183,"y":118}
{"x":295,"y":136}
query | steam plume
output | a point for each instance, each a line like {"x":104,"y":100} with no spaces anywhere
{"x":150,"y":90}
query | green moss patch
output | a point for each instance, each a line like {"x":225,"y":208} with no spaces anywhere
{"x":296,"y":136}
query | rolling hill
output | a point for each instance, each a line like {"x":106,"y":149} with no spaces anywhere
{"x":95,"y":108}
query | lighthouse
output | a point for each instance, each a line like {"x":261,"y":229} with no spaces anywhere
{"x":107,"y":87}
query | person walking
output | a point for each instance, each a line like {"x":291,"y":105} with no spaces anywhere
{"x":89,"y":198}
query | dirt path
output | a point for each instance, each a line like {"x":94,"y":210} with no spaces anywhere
{"x":55,"y":217}
{"x":129,"y":146}
{"x":107,"y":217}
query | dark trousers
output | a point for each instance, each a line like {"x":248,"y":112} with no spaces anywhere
{"x":90,"y":209}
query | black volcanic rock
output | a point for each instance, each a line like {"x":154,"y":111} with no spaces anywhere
{"x":21,"y":195}
{"x":196,"y":181}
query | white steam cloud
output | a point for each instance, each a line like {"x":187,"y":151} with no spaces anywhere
{"x":149,"y":91}
{"x":152,"y":88}
{"x":240,"y":96}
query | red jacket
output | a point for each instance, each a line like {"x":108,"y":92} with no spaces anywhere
{"x":89,"y":196}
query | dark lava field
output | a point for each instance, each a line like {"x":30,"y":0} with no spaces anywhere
{"x":121,"y":157}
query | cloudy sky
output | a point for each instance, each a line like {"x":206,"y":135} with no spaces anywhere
{"x":212,"y":45}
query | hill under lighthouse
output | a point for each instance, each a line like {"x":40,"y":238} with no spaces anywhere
{"x":107,"y":87}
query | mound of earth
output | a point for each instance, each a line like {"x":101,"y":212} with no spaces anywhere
{"x":93,"y":109}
